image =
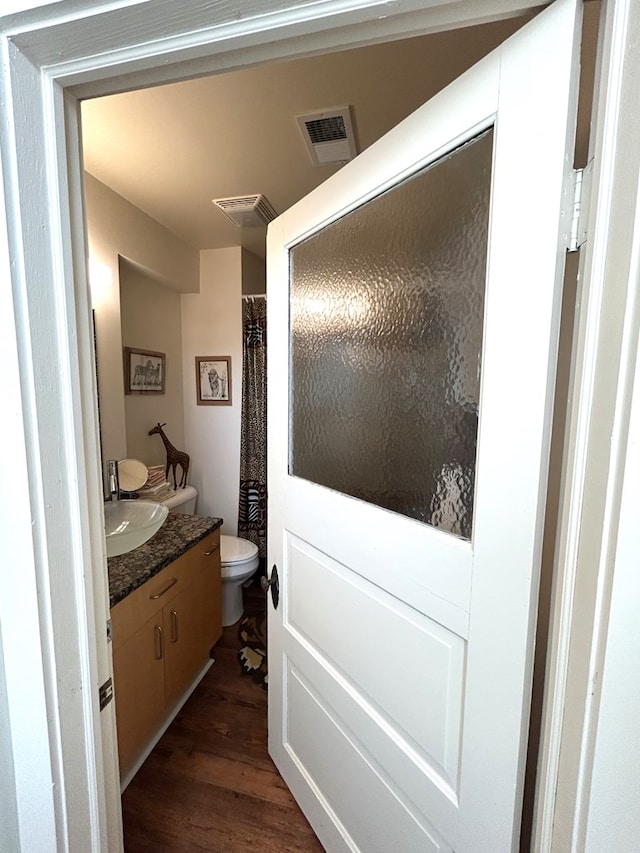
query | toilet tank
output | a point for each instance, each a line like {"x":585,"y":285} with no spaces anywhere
{"x":182,"y":500}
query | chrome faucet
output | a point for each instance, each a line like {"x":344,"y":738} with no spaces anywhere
{"x":113,"y":480}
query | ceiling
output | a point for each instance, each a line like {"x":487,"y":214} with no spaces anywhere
{"x":169,"y":150}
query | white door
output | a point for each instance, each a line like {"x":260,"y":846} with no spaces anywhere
{"x":413,"y":317}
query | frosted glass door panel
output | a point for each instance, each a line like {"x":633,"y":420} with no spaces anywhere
{"x":386,"y":339}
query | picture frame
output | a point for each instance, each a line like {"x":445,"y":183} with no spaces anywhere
{"x":213,"y":380}
{"x":144,"y":371}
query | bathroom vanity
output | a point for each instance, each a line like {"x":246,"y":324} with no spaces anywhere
{"x":166,"y":616}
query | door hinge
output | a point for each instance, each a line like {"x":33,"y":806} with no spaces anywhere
{"x":109,"y":630}
{"x":105,"y":694}
{"x":580,"y":211}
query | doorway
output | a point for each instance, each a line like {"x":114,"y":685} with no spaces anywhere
{"x":569,"y":311}
{"x":491,"y":35}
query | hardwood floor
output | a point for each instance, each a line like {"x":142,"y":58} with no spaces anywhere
{"x":209,"y":784}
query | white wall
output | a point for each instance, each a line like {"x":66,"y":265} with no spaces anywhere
{"x":613,"y":814}
{"x":212,"y":325}
{"x":151,"y":320}
{"x":8,"y":804}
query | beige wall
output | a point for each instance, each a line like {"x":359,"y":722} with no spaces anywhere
{"x":116,"y":229}
{"x":115,"y":225}
{"x":254,"y":274}
{"x":146,"y":267}
{"x":151,"y":320}
{"x":212,"y":325}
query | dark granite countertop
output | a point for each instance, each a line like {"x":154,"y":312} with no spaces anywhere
{"x":179,"y":533}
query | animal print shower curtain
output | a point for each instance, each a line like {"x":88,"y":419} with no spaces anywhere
{"x":252,"y":514}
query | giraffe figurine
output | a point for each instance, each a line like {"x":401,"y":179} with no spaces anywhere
{"x":174,"y":457}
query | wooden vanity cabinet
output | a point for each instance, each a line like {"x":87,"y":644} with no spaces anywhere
{"x":163,"y":633}
{"x":138,"y":673}
{"x":209,"y":549}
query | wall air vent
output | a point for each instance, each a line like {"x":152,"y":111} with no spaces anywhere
{"x":329,"y":136}
{"x":247,"y":211}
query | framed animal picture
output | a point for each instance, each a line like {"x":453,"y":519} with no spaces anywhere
{"x":213,"y":380}
{"x":143,"y":371}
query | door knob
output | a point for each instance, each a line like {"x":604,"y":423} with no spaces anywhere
{"x":273,"y":584}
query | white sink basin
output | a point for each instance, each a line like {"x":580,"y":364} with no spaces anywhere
{"x":129,"y":524}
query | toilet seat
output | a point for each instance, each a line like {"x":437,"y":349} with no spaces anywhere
{"x":237,"y":556}
{"x":239,"y":560}
{"x":234,"y":550}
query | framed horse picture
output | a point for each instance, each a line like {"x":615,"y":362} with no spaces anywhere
{"x":143,"y":371}
{"x":213,"y":380}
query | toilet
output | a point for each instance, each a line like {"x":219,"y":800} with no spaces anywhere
{"x":239,"y":559}
{"x":182,"y":500}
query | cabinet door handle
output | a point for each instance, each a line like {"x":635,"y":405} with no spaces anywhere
{"x":174,"y":626}
{"x":171,"y":583}
{"x":159,"y":636}
{"x":212,"y":551}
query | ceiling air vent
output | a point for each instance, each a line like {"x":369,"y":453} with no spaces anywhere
{"x":247,"y":211}
{"x":328,"y":136}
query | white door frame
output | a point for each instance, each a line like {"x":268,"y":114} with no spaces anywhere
{"x":57,"y":750}
{"x":587,"y":562}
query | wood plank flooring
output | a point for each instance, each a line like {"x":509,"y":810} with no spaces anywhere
{"x":209,"y":784}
